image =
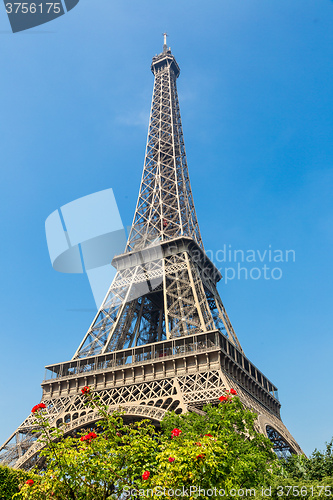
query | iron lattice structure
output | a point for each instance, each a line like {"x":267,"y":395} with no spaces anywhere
{"x":162,"y":339}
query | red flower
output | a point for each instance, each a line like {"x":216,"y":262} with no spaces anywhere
{"x":233,"y":392}
{"x":176,"y":432}
{"x":198,"y":444}
{"x":40,"y":406}
{"x":223,"y":398}
{"x":88,"y":437}
{"x":145,"y":475}
{"x":30,"y":482}
{"x":208,"y":435}
{"x":171,"y":459}
{"x":200,"y":456}
{"x":85,"y":389}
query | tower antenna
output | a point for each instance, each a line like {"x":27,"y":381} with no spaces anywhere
{"x":165,"y":47}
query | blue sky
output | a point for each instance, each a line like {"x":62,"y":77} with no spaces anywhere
{"x":256,"y":101}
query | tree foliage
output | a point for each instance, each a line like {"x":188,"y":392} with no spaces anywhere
{"x":315,"y":468}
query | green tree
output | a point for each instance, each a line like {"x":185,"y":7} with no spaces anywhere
{"x":304,"y":477}
{"x":318,"y":466}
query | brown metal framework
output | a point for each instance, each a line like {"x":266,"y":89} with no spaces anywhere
{"x":161,"y":339}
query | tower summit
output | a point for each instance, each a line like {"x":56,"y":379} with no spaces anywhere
{"x":165,"y":47}
{"x":162,"y":339}
{"x":165,"y":207}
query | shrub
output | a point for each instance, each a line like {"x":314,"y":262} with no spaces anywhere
{"x":10,"y":481}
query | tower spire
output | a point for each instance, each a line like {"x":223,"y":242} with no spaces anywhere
{"x":165,"y":207}
{"x":165,"y":46}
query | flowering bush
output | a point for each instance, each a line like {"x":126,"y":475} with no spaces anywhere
{"x":219,"y":449}
{"x":112,"y":457}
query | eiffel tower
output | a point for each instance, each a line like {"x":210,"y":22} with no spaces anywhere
{"x":162,"y":339}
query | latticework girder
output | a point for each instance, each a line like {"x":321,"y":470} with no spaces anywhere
{"x":165,"y":207}
{"x":163,"y":294}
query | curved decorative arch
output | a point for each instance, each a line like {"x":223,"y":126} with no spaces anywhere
{"x":129,"y":411}
{"x":280,"y":445}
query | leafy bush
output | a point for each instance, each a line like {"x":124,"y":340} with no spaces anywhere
{"x":220,"y":449}
{"x":213,"y":454}
{"x":10,"y":481}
